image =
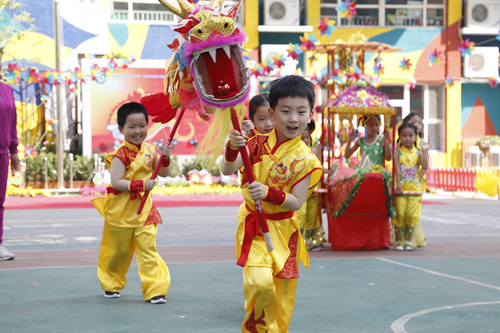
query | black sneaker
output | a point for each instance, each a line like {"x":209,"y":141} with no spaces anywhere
{"x":158,"y":300}
{"x":111,"y":294}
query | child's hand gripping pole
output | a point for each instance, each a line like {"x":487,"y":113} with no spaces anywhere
{"x":160,"y":162}
{"x":249,"y":172}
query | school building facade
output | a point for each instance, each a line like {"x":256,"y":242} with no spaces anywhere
{"x":467,"y":108}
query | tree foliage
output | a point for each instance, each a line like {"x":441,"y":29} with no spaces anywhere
{"x":14,"y":22}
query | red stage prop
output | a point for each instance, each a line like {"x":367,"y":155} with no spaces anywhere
{"x":364,"y":224}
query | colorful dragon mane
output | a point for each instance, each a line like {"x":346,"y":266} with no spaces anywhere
{"x":208,"y":71}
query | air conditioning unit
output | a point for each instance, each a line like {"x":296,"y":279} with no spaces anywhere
{"x":269,"y":51}
{"x":483,"y":13}
{"x":482,"y":63}
{"x":282,"y":12}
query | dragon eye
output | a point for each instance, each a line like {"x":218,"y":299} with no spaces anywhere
{"x":199,"y":31}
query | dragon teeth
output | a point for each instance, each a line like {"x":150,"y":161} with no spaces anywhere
{"x":227,"y":49}
{"x":213,"y":53}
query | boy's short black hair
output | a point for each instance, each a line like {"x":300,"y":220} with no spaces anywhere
{"x":127,"y":109}
{"x":255,"y":102}
{"x":291,"y":86}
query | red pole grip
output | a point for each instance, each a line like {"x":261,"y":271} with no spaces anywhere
{"x":158,"y":165}
{"x":251,"y":179}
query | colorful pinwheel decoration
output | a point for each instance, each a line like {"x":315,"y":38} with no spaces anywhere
{"x":44,"y":98}
{"x":308,"y":42}
{"x":256,"y":70}
{"x":466,"y":47}
{"x":435,"y":57}
{"x":378,"y":69}
{"x":279,"y":60}
{"x":294,"y":51}
{"x":267,"y":66}
{"x":412,"y":83}
{"x":493,"y":82}
{"x":346,"y":9}
{"x":405,"y":64}
{"x":326,"y":27}
{"x":448,"y":81}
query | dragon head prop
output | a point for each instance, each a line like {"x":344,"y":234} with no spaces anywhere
{"x":208,"y":68}
{"x":208,"y":71}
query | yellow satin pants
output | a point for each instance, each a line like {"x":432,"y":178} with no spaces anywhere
{"x":269,"y":301}
{"x":117,"y":249}
{"x":406,"y":220}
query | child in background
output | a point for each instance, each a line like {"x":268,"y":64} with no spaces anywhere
{"x":126,"y":232}
{"x":285,"y":171}
{"x":408,"y":160}
{"x":374,"y":150}
{"x":416,"y":119}
{"x":310,"y":213}
{"x":258,"y":111}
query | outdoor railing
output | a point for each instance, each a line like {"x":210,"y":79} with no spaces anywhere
{"x":455,"y":179}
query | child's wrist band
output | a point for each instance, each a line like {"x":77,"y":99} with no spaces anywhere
{"x":230,"y":154}
{"x":275,"y":197}
{"x":166,"y":163}
{"x":136,"y":185}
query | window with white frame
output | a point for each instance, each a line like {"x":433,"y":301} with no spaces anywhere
{"x":429,"y":101}
{"x":394,"y":13}
{"x":149,"y":11}
{"x":144,"y":11}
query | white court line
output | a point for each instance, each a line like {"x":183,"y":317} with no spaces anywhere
{"x":439,"y":274}
{"x":398,"y":325}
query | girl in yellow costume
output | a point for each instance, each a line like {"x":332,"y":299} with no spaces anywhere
{"x":310,"y":213}
{"x":407,"y":163}
{"x":285,"y":170}
{"x":125,"y":232}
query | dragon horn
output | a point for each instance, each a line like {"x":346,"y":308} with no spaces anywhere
{"x":185,"y":9}
{"x":215,"y":3}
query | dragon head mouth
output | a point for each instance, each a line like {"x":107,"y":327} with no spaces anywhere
{"x":220,"y":73}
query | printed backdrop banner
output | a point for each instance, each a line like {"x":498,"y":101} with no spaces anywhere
{"x":129,"y":85}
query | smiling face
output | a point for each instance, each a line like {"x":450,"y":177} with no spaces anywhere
{"x":135,"y":129}
{"x":407,"y":137}
{"x":291,"y":116}
{"x":262,"y":120}
{"x":417,"y":121}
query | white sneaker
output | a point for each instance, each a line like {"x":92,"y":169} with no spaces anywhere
{"x":408,"y":248}
{"x":6,"y":255}
{"x":399,"y":248}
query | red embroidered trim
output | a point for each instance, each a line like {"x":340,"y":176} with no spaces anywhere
{"x":154,"y":217}
{"x":290,"y":269}
{"x":136,"y":185}
{"x":231,"y":154}
{"x":251,"y":324}
{"x":275,"y":197}
{"x":166,"y":163}
{"x":255,"y":147}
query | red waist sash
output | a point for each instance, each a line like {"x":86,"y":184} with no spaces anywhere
{"x":133,"y":194}
{"x":252,"y":229}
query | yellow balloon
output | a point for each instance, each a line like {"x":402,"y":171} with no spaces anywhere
{"x":480,"y":184}
{"x":492,"y":191}
{"x":489,"y":177}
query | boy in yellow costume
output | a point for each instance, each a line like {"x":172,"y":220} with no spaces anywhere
{"x":125,"y":232}
{"x":285,"y":170}
{"x":408,"y":160}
